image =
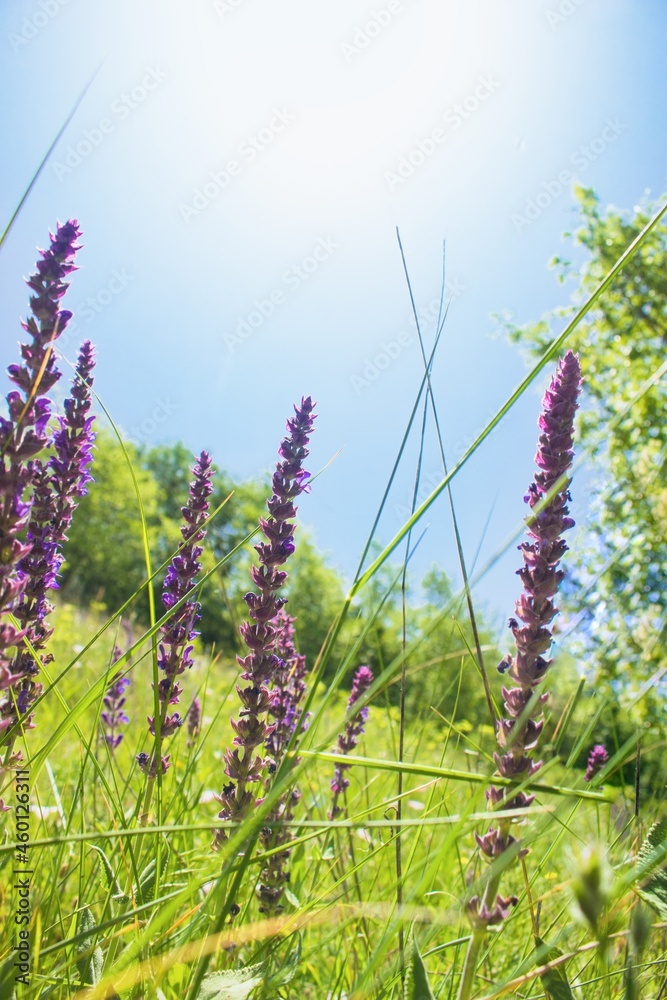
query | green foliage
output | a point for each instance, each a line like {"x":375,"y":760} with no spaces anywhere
{"x":144,"y":890}
{"x":417,"y":986}
{"x":651,"y":862}
{"x":105,"y":557}
{"x":108,"y":878}
{"x":443,"y":674}
{"x":170,"y":466}
{"x":105,"y":553}
{"x":90,"y":960}
{"x":231,"y":985}
{"x":555,"y":979}
{"x":349,"y":940}
{"x":591,"y":888}
{"x":314,"y":593}
{"x":621,"y":567}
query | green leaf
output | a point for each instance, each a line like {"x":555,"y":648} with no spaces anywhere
{"x":417,"y":986}
{"x":555,"y":980}
{"x":291,"y":898}
{"x":630,"y":985}
{"x":235,"y":984}
{"x":8,"y":980}
{"x":287,"y":969}
{"x":650,"y":861}
{"x":641,"y":924}
{"x":108,"y":878}
{"x":89,"y":964}
{"x":145,"y":891}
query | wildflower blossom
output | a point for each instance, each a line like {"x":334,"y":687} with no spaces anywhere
{"x":519,"y":731}
{"x":23,"y":434}
{"x":113,"y":715}
{"x":57,"y":488}
{"x":597,"y":759}
{"x":349,"y":738}
{"x":148,"y":763}
{"x":243,"y":765}
{"x":178,"y":633}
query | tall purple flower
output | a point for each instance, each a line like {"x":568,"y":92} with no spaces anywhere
{"x":178,"y":632}
{"x":519,"y":731}
{"x":350,"y":736}
{"x":243,"y":765}
{"x":23,"y":434}
{"x":57,"y":488}
{"x":287,"y":690}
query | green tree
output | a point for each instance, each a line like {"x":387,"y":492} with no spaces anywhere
{"x":314,"y":594}
{"x":444,"y":675}
{"x":105,"y":555}
{"x":105,"y":552}
{"x":170,"y":466}
{"x":620,"y":581}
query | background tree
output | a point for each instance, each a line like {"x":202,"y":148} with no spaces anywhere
{"x":105,"y":552}
{"x":620,"y":581}
{"x":170,"y":465}
{"x":105,"y":556}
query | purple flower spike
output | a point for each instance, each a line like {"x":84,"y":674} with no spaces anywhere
{"x":597,"y":759}
{"x":243,"y":764}
{"x":193,"y":720}
{"x":29,"y":562}
{"x":57,"y":489}
{"x":178,"y":632}
{"x":548,"y":496}
{"x":113,"y":715}
{"x":349,"y":738}
{"x":74,"y":440}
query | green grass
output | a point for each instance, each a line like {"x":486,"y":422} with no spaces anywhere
{"x":341,"y":910}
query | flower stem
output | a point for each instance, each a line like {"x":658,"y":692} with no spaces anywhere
{"x":476,"y":941}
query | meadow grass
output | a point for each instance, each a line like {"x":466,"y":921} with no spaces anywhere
{"x":341,"y":918}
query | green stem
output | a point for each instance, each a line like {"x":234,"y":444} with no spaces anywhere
{"x":476,"y":941}
{"x":148,"y":795}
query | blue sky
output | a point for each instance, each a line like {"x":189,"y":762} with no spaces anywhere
{"x":239,"y":169}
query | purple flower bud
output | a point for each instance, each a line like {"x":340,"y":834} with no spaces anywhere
{"x":597,"y":759}
{"x":114,"y":700}
{"x":350,"y":736}
{"x":148,"y":764}
{"x":483,"y":916}
{"x":193,"y":720}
